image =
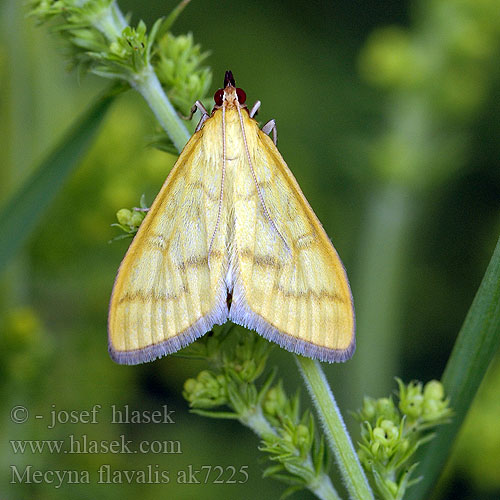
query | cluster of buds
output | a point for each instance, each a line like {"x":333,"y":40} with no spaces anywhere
{"x":391,"y":434}
{"x":129,"y":219}
{"x":207,"y":390}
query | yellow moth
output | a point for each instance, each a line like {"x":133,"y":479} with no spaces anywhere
{"x":230,"y":236}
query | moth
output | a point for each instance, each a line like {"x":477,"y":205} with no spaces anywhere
{"x":231,"y":237}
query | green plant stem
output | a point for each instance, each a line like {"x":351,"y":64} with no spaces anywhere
{"x":336,"y":433}
{"x":324,"y":489}
{"x":111,"y":24}
{"x":255,"y":420}
{"x":148,"y":85}
{"x":476,"y":345}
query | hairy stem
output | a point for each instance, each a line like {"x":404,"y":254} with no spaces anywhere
{"x":324,"y":489}
{"x":256,"y":421}
{"x":111,"y":22}
{"x":336,"y":433}
{"x":148,"y":85}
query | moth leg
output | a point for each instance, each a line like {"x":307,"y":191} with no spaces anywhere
{"x":255,"y":109}
{"x":203,"y":119}
{"x":198,"y":106}
{"x":271,"y":126}
{"x":140,"y":209}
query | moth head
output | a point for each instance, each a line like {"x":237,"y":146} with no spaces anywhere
{"x":230,"y":94}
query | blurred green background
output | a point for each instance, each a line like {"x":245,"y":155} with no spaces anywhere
{"x":388,"y":115}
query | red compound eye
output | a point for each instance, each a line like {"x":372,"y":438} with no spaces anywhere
{"x":242,"y":97}
{"x":218,"y":97}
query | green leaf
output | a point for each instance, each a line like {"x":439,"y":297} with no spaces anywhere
{"x":290,"y":491}
{"x":163,"y":142}
{"x":272,"y":469}
{"x":164,"y":25}
{"x":476,"y":345}
{"x":216,"y":414}
{"x":21,"y":214}
{"x":267,"y":384}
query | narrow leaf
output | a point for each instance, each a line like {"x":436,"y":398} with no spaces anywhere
{"x":476,"y":345}
{"x":21,"y":214}
{"x":166,"y":24}
{"x":216,"y":414}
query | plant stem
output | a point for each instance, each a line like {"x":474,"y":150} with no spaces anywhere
{"x":111,"y":24}
{"x":256,"y":421}
{"x":337,"y":436}
{"x":148,"y":85}
{"x":324,"y":489}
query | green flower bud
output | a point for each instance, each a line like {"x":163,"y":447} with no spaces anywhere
{"x":178,"y":65}
{"x":190,"y":385}
{"x":302,"y":436}
{"x":369,"y":408}
{"x":385,"y":408}
{"x":117,"y":49}
{"x":207,"y":391}
{"x":275,"y":400}
{"x":403,"y":445}
{"x":434,"y":390}
{"x":270,"y":404}
{"x":385,"y":439}
{"x":391,"y":430}
{"x":364,"y":457}
{"x":431,"y":409}
{"x":136,"y":218}
{"x":123,"y":216}
{"x":411,"y":399}
{"x":386,"y":432}
{"x":412,"y":406}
